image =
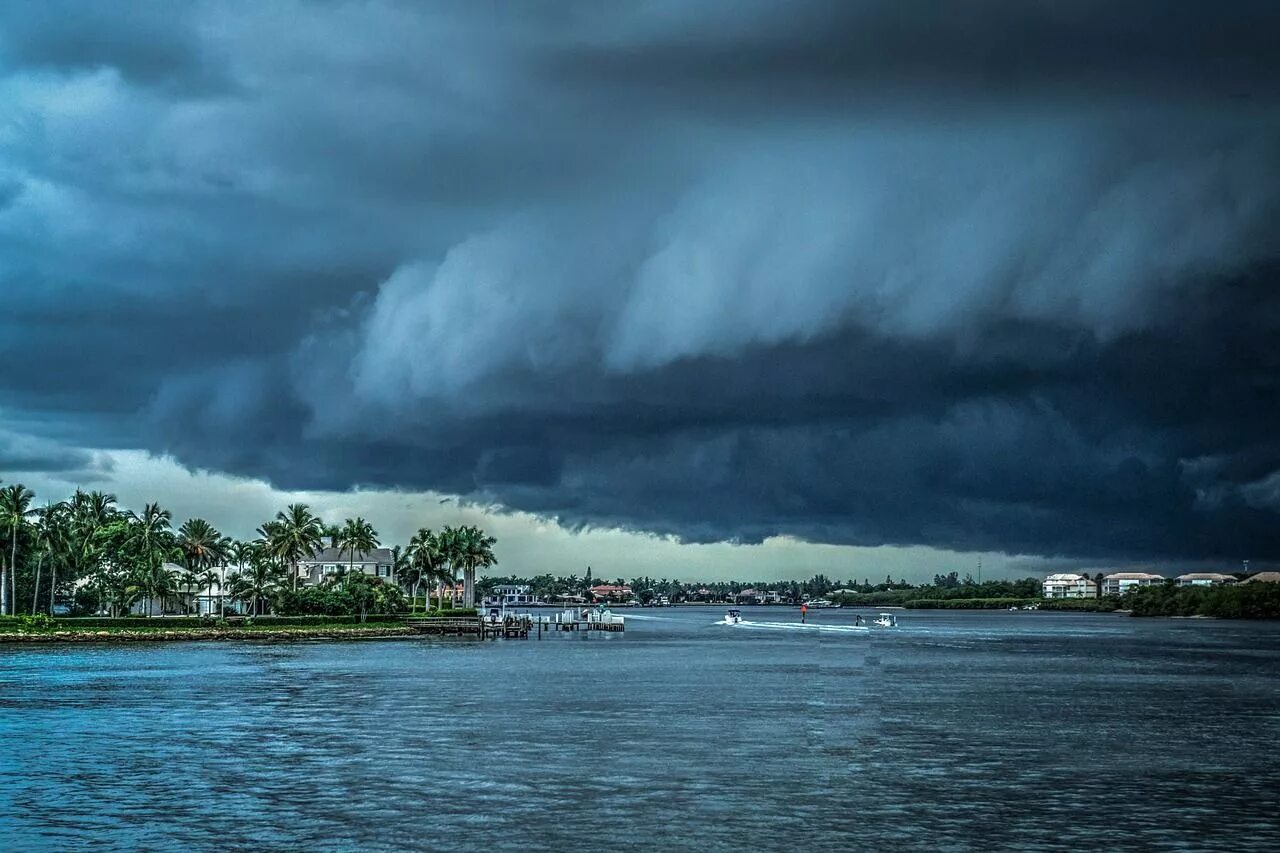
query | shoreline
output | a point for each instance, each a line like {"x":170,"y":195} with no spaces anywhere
{"x":208,"y":634}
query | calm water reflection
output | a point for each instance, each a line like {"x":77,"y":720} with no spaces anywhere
{"x":957,"y":731}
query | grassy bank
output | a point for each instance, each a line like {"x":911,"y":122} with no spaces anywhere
{"x":38,"y":629}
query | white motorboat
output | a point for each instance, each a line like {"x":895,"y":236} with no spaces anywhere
{"x":887,"y":620}
{"x":733,"y":617}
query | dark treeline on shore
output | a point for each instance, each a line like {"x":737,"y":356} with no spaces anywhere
{"x":87,"y":555}
{"x":890,"y":591}
{"x":1241,"y":601}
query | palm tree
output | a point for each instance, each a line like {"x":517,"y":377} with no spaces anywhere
{"x":156,"y":581}
{"x":51,"y":540}
{"x":202,"y":547}
{"x":259,"y":581}
{"x":449,"y":541}
{"x":207,"y":580}
{"x":15,"y":506}
{"x":296,"y":533}
{"x":152,"y":539}
{"x":475,"y":551}
{"x":426,"y":563}
{"x":90,"y":512}
{"x":356,"y":535}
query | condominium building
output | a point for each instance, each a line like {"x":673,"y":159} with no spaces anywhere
{"x":1066,"y":585}
{"x":1204,"y":579}
{"x":1120,"y":583}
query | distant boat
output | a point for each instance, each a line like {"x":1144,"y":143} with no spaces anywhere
{"x":733,"y":617}
{"x":821,"y":603}
{"x":887,"y":620}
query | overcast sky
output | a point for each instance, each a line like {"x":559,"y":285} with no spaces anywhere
{"x":881,"y":285}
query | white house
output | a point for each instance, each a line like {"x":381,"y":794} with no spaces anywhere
{"x":331,"y":562}
{"x":511,"y":595}
{"x":1066,"y":585}
{"x":1119,"y":583}
{"x":1204,"y":579}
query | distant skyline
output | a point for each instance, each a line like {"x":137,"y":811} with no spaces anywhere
{"x":858,"y":288}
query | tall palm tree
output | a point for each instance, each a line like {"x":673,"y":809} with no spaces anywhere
{"x":426,"y":563}
{"x":240,"y":553}
{"x":15,"y":507}
{"x":90,"y":512}
{"x":51,"y":541}
{"x":449,"y":541}
{"x":202,"y":547}
{"x":152,"y":538}
{"x":356,"y":535}
{"x":475,"y":551}
{"x":296,"y":533}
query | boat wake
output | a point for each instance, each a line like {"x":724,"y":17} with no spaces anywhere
{"x":797,"y":626}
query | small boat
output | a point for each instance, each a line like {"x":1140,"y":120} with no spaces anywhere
{"x":733,"y":617}
{"x":887,"y":620}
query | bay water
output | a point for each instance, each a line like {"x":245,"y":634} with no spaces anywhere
{"x":954,"y":731}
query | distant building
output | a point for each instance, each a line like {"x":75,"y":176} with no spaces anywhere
{"x":1264,"y":577}
{"x":510,"y":595}
{"x":1120,"y":583}
{"x":1204,"y":579}
{"x":180,"y":602}
{"x":1066,"y":585}
{"x":611,"y":592}
{"x":329,"y":563}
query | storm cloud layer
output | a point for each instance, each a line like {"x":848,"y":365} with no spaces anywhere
{"x":981,"y":276}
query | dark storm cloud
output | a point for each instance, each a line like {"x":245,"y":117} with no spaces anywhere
{"x":999,"y":277}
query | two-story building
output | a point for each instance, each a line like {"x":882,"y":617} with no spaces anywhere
{"x":611,"y":592}
{"x":1068,"y":585}
{"x":1119,"y":583}
{"x":511,"y":595}
{"x":1204,"y":579}
{"x":331,"y":562}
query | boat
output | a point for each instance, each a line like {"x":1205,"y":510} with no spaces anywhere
{"x":887,"y":620}
{"x":820,"y":604}
{"x":733,"y":617}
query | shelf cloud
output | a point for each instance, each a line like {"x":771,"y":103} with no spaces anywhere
{"x":996,"y":279}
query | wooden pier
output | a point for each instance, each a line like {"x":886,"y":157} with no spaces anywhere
{"x":516,"y":627}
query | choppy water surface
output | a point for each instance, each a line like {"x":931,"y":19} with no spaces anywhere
{"x":954,"y":731}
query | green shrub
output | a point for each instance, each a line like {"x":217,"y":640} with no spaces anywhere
{"x":454,"y":611}
{"x":967,"y":603}
{"x":1088,"y":605}
{"x":1241,"y":601}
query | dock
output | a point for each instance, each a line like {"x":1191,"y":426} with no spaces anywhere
{"x":517,"y":626}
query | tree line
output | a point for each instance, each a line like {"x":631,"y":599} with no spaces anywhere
{"x":99,"y":557}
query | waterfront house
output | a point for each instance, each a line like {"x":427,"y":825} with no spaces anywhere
{"x":511,"y":595}
{"x":1264,"y":577}
{"x":1119,"y":583}
{"x":611,"y":592}
{"x":1068,"y":585}
{"x":177,"y":603}
{"x":1204,"y":579}
{"x":329,"y":563}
